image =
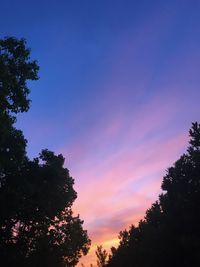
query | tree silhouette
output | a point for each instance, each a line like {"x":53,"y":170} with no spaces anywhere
{"x":169,"y":234}
{"x":101,"y":256}
{"x":15,"y":69}
{"x":37,"y":226}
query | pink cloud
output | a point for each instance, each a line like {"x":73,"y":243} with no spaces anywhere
{"x":118,"y":171}
{"x":119,"y":160}
{"x":106,"y":200}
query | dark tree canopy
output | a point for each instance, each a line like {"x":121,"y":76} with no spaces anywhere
{"x":37,"y":226}
{"x":169,"y":235}
{"x":16,"y":69}
{"x":101,"y":256}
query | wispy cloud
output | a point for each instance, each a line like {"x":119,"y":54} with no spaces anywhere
{"x":118,"y":171}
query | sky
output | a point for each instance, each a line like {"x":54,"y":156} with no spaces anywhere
{"x":118,"y":91}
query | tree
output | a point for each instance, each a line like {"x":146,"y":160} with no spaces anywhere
{"x":169,"y":234}
{"x":37,"y":226}
{"x":180,"y":204}
{"x":101,"y":256}
{"x":15,"y":69}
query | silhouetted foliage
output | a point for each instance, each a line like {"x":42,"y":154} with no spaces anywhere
{"x":37,"y":226}
{"x":169,"y":235}
{"x":15,"y":69}
{"x":101,"y":256}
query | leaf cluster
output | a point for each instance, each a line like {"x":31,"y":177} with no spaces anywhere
{"x":37,"y":226}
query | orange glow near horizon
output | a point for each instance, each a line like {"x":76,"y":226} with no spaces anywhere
{"x":118,"y":91}
{"x":119,"y":190}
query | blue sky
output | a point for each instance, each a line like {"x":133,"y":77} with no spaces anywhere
{"x":118,"y":90}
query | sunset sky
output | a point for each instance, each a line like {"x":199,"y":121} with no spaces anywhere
{"x":118,"y":90}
